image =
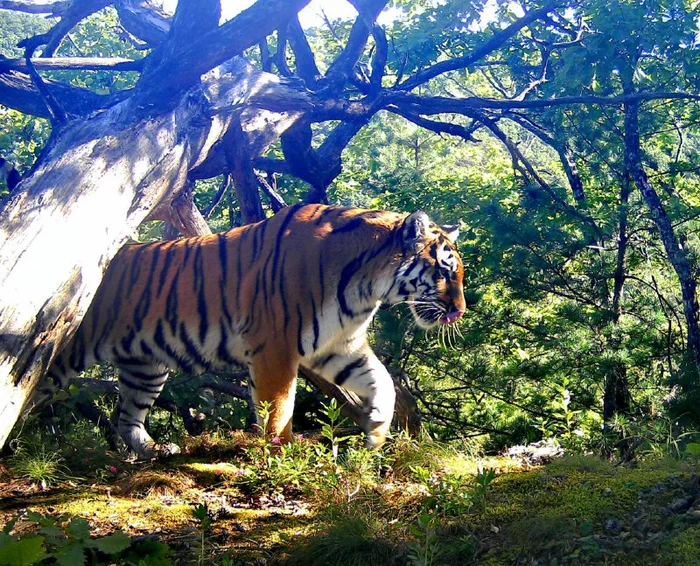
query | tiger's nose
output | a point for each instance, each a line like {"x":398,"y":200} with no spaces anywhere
{"x":452,"y":316}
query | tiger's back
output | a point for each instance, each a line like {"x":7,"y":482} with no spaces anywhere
{"x":300,"y":287}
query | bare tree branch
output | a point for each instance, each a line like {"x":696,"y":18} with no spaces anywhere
{"x":17,"y":91}
{"x":197,"y":56}
{"x":342,"y":67}
{"x":73,"y":64}
{"x":74,"y":13}
{"x":144,"y":20}
{"x":304,"y":56}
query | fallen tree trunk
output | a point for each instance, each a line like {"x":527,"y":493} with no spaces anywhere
{"x":95,"y":184}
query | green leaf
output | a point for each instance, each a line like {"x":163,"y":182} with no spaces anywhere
{"x":23,"y":552}
{"x":79,"y":528}
{"x":72,"y":554}
{"x":112,"y":544}
{"x":693,"y":448}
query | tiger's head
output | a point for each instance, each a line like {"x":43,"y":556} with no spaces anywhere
{"x":431,"y":274}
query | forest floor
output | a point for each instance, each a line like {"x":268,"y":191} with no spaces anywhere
{"x":240,"y":500}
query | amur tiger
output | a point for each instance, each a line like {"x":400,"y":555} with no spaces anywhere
{"x":298,"y":288}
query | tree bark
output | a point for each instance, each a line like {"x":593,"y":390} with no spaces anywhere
{"x":676,"y":252}
{"x":98,"y":180}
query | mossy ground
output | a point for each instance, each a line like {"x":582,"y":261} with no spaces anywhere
{"x":416,"y":503}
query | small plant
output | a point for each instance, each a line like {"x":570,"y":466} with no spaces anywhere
{"x":201,"y":515}
{"x":425,"y":551}
{"x":39,"y":465}
{"x":482,"y":481}
{"x":330,"y":428}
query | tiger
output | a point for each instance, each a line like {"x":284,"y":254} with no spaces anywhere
{"x":298,"y":288}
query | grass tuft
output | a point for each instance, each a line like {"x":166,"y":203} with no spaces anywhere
{"x":39,"y":465}
{"x":351,"y":541}
{"x":154,"y":482}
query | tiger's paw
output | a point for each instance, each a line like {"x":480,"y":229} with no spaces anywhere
{"x":377,"y":433}
{"x":153,"y":451}
{"x":163,"y":451}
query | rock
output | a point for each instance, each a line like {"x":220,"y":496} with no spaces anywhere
{"x":607,"y":492}
{"x":613,"y":527}
{"x":682,"y":504}
{"x":694,"y":514}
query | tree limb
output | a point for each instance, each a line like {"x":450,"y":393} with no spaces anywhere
{"x":480,"y":52}
{"x":305,"y":63}
{"x":74,"y":12}
{"x":144,"y":20}
{"x":73,"y":64}
{"x":197,"y":56}
{"x":17,"y":91}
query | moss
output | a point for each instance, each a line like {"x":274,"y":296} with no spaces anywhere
{"x":683,"y":549}
{"x":576,"y":510}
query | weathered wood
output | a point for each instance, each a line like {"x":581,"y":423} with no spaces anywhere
{"x":96,"y":183}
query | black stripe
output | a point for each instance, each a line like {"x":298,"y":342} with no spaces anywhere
{"x":146,"y":348}
{"x":142,"y":406}
{"x":171,"y":304}
{"x":191,"y":348}
{"x":351,"y":226}
{"x":138,"y":386}
{"x":257,"y":349}
{"x":329,"y":210}
{"x":433,"y":251}
{"x":300,"y":344}
{"x":344,"y":373}
{"x":239,"y":270}
{"x":112,"y":312}
{"x":348,"y":271}
{"x":258,"y":239}
{"x":223,"y":257}
{"x":201,"y":295}
{"x":187,"y":245}
{"x":324,"y":361}
{"x":143,"y":375}
{"x":143,"y":305}
{"x":76,"y":361}
{"x":166,"y":269}
{"x":135,"y":270}
{"x":128,"y":340}
{"x":264,"y":282}
{"x":283,"y":295}
{"x":222,"y":349}
{"x":317,"y":329}
{"x":278,"y":242}
{"x":159,"y":339}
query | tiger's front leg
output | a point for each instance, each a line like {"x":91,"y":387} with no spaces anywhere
{"x":273,"y":384}
{"x":361,"y":372}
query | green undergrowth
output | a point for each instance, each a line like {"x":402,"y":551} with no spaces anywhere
{"x":243,"y":499}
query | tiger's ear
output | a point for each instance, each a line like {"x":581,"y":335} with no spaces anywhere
{"x":451,"y":231}
{"x":415,"y":228}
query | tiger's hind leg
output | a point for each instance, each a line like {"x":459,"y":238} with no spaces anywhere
{"x":139,"y":386}
{"x":273,"y":382}
{"x":361,"y":372}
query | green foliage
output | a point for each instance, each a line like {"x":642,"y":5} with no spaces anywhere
{"x":34,"y":462}
{"x":329,"y":427}
{"x":67,"y":544}
{"x":16,"y":26}
{"x":350,"y":541}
